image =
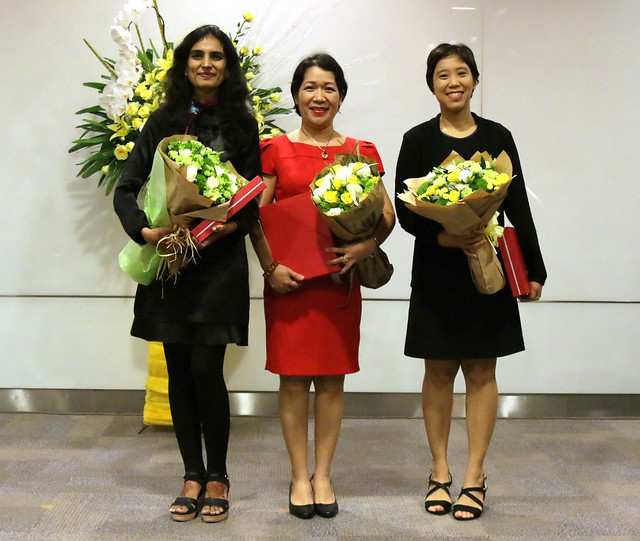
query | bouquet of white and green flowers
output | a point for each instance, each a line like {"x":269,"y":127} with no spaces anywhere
{"x":188,"y":183}
{"x":463,"y":196}
{"x":214,"y":179}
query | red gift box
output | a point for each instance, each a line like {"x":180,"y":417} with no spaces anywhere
{"x":514,"y":262}
{"x":298,"y":236}
{"x":239,"y":200}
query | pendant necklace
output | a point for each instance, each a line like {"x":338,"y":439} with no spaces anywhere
{"x":325,"y":154}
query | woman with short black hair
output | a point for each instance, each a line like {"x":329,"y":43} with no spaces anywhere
{"x":451,"y":325}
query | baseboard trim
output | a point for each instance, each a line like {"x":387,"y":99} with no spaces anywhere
{"x":373,"y":405}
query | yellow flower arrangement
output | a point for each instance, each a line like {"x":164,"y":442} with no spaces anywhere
{"x":135,"y":89}
{"x":450,"y":184}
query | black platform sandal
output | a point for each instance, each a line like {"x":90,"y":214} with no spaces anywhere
{"x":475,"y":511}
{"x":192,"y":504}
{"x":223,"y":503}
{"x":433,"y":487}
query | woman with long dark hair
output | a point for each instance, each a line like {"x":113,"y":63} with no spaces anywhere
{"x":208,"y":306}
{"x":443,"y":296}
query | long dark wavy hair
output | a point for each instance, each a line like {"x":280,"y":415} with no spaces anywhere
{"x":233,"y":93}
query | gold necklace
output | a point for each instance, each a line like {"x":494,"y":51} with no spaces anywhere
{"x":325,"y":155}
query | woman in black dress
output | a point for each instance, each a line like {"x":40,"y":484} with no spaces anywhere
{"x":208,"y":307}
{"x":451,"y":325}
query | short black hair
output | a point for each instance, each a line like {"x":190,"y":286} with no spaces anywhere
{"x":445,"y":50}
{"x":325,"y":62}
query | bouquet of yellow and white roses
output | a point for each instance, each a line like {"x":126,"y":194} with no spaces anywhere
{"x":463,"y":196}
{"x":350,"y":196}
{"x":446,"y":185}
{"x":344,"y":187}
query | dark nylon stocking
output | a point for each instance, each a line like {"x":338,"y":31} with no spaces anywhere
{"x":199,"y":405}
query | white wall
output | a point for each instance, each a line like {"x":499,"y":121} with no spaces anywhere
{"x":562,"y":76}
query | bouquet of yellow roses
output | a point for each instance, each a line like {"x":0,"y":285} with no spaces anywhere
{"x":463,"y":196}
{"x":350,"y":196}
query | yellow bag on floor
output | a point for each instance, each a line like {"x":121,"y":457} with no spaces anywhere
{"x":156,"y":407}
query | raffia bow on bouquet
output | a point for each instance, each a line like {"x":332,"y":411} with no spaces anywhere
{"x":349,"y":195}
{"x":468,"y":215}
{"x":172,"y":198}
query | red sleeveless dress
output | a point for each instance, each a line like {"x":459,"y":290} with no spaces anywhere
{"x":315,"y":330}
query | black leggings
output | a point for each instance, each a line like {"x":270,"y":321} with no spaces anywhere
{"x":199,"y":405}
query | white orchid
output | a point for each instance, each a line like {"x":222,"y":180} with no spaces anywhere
{"x":114,"y":99}
{"x":120,"y":34}
{"x":335,"y":211}
{"x":135,"y":8}
{"x":131,"y":12}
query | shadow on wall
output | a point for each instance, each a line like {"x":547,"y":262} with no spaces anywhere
{"x":98,"y":230}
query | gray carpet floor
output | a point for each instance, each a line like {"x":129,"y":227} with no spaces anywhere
{"x":81,"y":477}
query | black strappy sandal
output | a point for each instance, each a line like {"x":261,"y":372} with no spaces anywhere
{"x":437,"y":485}
{"x":475,"y":511}
{"x":192,"y":504}
{"x":223,"y":503}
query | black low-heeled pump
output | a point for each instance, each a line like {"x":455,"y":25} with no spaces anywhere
{"x":437,"y":485}
{"x":475,"y":511}
{"x":300,"y":511}
{"x":326,"y":510}
{"x":223,"y":503}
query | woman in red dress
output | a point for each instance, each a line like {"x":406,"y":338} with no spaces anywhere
{"x":313,"y":326}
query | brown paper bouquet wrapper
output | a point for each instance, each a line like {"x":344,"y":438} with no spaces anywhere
{"x":359,"y":223}
{"x":185,"y":206}
{"x":467,"y":216}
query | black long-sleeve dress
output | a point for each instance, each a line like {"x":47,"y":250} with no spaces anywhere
{"x":448,"y":318}
{"x":209,"y":303}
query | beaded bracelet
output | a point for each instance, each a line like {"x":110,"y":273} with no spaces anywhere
{"x":271,"y":268}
